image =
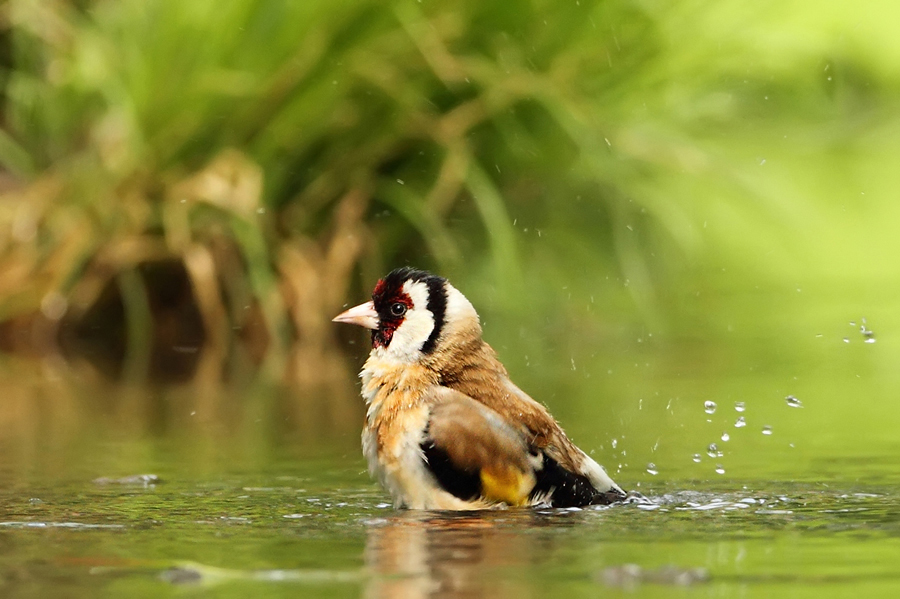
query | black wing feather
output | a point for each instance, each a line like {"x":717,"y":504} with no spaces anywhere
{"x":567,"y":489}
{"x":459,"y":483}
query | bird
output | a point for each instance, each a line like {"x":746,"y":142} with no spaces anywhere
{"x":445,"y":427}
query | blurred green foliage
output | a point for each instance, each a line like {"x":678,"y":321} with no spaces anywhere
{"x":612,"y":157}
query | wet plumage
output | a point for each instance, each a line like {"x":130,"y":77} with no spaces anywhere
{"x":445,"y":427}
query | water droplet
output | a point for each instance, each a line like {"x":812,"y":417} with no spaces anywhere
{"x":696,"y":458}
{"x":726,"y":436}
{"x":867,"y":333}
{"x":614,"y":443}
{"x":401,"y":182}
{"x":713,"y":450}
{"x":767,"y":430}
{"x":709,"y":407}
{"x":651,"y":468}
{"x":720,"y":469}
{"x":793,"y":402}
{"x":740,"y":422}
{"x":846,"y":339}
{"x":739,"y":406}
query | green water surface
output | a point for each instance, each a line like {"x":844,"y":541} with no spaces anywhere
{"x":261,"y":490}
{"x":325,"y":531}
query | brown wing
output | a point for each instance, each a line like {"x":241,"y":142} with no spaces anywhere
{"x":475,"y":371}
{"x":473,"y":452}
{"x":566,"y":476}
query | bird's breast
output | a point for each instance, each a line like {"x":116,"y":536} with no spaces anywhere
{"x":396,"y":419}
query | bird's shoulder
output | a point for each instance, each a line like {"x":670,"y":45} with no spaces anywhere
{"x":475,"y":370}
{"x":471,"y":367}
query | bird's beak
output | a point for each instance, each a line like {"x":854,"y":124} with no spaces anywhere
{"x":364,"y":315}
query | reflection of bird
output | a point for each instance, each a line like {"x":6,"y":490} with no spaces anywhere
{"x":452,"y":556}
{"x":445,"y":427}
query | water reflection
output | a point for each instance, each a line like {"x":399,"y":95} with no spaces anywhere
{"x":451,"y":555}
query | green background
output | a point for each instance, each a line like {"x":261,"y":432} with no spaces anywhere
{"x":652,"y":205}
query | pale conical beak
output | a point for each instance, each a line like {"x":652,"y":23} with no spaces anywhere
{"x":363,"y":315}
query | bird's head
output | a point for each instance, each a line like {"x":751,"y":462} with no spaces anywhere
{"x":411,"y":313}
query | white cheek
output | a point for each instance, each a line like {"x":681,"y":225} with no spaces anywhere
{"x":406,"y":344}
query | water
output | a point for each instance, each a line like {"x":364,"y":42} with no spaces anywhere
{"x":793,"y":401}
{"x":232,"y":534}
{"x":254,"y":489}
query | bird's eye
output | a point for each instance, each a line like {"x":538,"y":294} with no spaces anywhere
{"x":398,"y":309}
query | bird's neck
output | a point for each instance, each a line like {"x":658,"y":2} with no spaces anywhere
{"x":464,"y":359}
{"x":383,"y":378}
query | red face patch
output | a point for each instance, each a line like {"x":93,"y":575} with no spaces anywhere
{"x":391,"y":303}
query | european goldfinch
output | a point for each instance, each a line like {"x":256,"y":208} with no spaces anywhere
{"x":445,"y":427}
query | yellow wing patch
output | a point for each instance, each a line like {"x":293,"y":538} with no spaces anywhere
{"x":509,"y":485}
